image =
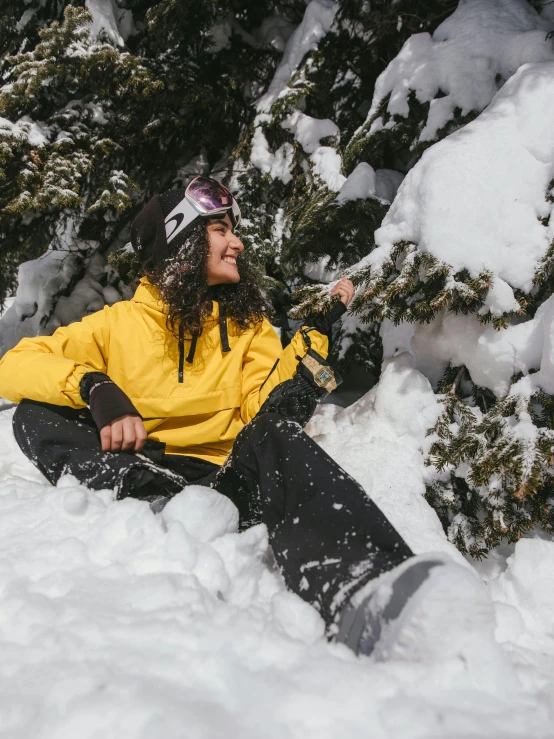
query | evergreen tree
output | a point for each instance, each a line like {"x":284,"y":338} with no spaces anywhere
{"x":495,"y":456}
{"x":493,"y":453}
{"x":302,"y":109}
{"x":292,"y":160}
{"x":92,"y":127}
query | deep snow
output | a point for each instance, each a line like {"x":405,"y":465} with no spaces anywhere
{"x":118,"y":623}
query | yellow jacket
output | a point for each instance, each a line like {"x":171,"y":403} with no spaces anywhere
{"x":200,"y":416}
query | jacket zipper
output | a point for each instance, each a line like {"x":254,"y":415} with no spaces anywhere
{"x":270,"y":373}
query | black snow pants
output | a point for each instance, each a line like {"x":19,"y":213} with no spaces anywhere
{"x":327,"y":536}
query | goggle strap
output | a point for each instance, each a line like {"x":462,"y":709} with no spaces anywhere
{"x":179,"y":218}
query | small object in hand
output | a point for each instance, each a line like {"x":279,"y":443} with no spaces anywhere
{"x":315,"y":368}
{"x":318,"y":370}
{"x":297,"y":399}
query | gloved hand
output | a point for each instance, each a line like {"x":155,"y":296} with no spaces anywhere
{"x":294,"y":399}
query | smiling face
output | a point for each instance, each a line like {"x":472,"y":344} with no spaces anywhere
{"x":224,"y":248}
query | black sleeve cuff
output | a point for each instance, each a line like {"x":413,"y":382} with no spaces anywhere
{"x":90,"y":379}
{"x":323,"y":322}
{"x":106,"y":400}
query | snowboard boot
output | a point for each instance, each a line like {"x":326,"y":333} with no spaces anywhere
{"x":427,"y":605}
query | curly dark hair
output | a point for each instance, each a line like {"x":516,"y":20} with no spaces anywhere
{"x":182,"y":282}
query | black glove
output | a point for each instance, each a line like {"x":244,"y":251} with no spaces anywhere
{"x":294,"y":399}
{"x":106,"y":400}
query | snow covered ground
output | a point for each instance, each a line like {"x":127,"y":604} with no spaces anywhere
{"x":118,"y":623}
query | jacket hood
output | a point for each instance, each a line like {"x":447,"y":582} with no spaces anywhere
{"x":149,"y":294}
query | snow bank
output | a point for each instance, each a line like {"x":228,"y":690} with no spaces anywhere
{"x":507,"y":154}
{"x":8,"y":302}
{"x":380,"y":440}
{"x":40,"y":306}
{"x":466,"y":59}
{"x":326,"y":163}
{"x":120,"y":623}
{"x":36,"y":133}
{"x":525,"y":596}
{"x":543,"y":335}
{"x":275,"y":31}
{"x":492,"y":357}
{"x":277,"y":164}
{"x":308,"y":131}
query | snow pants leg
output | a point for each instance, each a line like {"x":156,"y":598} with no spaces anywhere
{"x":60,"y":441}
{"x":327,"y":536}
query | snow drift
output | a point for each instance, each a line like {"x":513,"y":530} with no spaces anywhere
{"x":120,"y":622}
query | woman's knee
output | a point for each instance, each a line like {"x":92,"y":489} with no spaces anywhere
{"x":23,"y":410}
{"x":35,"y":422}
{"x":25,"y":413}
{"x":272,"y":427}
{"x":23,"y":422}
{"x":266,"y":429}
{"x":31,"y":412}
{"x":275,"y":423}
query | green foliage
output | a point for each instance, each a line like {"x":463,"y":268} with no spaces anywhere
{"x":414,"y":286}
{"x":495,"y":463}
{"x":543,"y":282}
{"x":20,"y":23}
{"x":343,"y":233}
{"x":342,"y":85}
{"x":95,"y":129}
{"x":359,"y":353}
{"x":127,"y":265}
{"x":397,"y":140}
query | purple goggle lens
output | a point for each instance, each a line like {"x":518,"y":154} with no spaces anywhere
{"x":212,"y":197}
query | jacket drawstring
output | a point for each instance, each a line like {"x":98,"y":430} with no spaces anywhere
{"x":181,"y":353}
{"x":190,"y":355}
{"x":223,"y":329}
{"x":224,"y":336}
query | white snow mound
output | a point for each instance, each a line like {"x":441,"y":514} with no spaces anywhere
{"x":492,"y":357}
{"x":119,"y":623}
{"x":474,"y":200}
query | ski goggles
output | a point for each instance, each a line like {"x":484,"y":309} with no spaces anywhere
{"x":206,"y":198}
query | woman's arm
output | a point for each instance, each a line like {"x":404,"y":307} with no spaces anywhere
{"x":50,"y":368}
{"x":267,"y":364}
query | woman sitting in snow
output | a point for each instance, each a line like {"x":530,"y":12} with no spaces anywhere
{"x":188,"y":383}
